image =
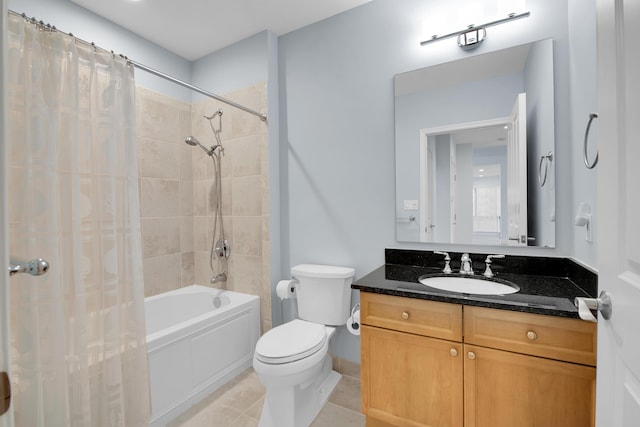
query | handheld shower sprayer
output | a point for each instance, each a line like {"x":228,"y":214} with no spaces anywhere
{"x":193,"y":141}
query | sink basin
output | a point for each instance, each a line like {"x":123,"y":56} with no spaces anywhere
{"x":468,"y":285}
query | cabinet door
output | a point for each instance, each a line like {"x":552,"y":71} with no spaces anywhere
{"x":504,"y":389}
{"x":411,"y":380}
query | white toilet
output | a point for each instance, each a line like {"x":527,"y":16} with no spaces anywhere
{"x":291,"y":360}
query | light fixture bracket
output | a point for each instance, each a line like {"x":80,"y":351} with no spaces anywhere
{"x":472,"y":38}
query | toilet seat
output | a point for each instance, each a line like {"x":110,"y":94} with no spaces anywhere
{"x":290,"y":342}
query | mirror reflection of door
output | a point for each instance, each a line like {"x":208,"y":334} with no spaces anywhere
{"x":473,"y":181}
{"x":517,"y":175}
{"x":427,"y":202}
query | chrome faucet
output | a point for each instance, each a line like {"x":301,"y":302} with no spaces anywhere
{"x":487,"y":271}
{"x":447,"y":260}
{"x":465,"y":264}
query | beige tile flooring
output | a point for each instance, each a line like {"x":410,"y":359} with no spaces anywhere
{"x":239,"y":404}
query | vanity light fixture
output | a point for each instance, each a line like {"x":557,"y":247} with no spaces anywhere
{"x":472,"y":36}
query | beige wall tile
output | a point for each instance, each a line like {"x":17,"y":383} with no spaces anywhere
{"x":247,"y":235}
{"x":201,"y":190}
{"x":159,"y":119}
{"x":202,"y":271}
{"x":186,"y":198}
{"x":158,"y":159}
{"x":247,"y":196}
{"x":227,"y":199}
{"x":245,"y":156}
{"x":162,"y":273}
{"x":247,"y":272}
{"x":186,"y":161}
{"x":159,"y":198}
{"x":160,"y":236}
{"x":187,"y":270}
{"x":201,"y":230}
{"x":186,"y":234}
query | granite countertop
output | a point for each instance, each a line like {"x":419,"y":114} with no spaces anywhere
{"x":547,"y":295}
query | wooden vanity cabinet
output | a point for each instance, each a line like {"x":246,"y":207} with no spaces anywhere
{"x":422,"y":365}
{"x":410,"y":375}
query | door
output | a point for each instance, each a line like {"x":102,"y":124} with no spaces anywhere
{"x":618,"y":378}
{"x":427,"y":189}
{"x":410,"y":380}
{"x":504,"y":389}
{"x":517,"y":173}
{"x":6,"y":420}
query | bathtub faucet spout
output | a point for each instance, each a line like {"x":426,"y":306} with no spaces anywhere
{"x":222,"y":277}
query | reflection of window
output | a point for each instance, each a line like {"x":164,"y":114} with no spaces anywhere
{"x":486,"y":205}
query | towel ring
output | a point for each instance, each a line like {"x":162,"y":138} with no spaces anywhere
{"x":589,"y":165}
{"x":549,"y":158}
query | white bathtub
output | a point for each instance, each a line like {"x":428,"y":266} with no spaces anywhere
{"x":194,"y":348}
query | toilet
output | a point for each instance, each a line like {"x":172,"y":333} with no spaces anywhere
{"x":291,"y":360}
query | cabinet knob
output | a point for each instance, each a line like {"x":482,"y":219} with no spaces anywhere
{"x":471,"y":355}
{"x":532,"y":335}
{"x":405,"y":315}
{"x":453,"y":352}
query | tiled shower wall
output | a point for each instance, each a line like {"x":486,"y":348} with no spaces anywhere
{"x":177,"y":197}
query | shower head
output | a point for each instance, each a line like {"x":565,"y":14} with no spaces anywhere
{"x":193,"y":141}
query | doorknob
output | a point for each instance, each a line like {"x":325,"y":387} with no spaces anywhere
{"x":5,"y":392}
{"x":35,"y":267}
{"x":602,"y":304}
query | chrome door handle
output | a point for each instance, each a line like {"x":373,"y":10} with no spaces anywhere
{"x":602,"y":304}
{"x":35,"y":267}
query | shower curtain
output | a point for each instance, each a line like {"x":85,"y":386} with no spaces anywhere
{"x":78,"y":339}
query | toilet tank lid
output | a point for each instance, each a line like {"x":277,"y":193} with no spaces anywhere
{"x":328,"y":271}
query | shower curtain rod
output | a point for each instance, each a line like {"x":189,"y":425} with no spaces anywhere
{"x":48,"y":27}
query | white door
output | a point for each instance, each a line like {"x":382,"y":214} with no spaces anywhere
{"x":618,"y":380}
{"x":517,"y":173}
{"x":6,"y":420}
{"x":427,"y":188}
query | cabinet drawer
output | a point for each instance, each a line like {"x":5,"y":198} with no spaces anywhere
{"x":416,"y":316}
{"x":558,"y":338}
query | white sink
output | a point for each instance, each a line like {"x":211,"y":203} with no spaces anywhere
{"x":468,"y":285}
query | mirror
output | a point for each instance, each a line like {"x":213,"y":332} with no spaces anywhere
{"x":474,"y":150}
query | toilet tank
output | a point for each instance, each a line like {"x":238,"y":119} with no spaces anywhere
{"x":323,"y":293}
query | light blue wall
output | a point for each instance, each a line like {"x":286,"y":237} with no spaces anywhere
{"x":538,"y":77}
{"x":337,"y":129}
{"x":582,"y":59}
{"x":237,"y":66}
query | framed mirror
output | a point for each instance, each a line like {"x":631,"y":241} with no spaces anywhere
{"x":474,"y":150}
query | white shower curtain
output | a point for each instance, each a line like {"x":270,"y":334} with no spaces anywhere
{"x":78,"y":332}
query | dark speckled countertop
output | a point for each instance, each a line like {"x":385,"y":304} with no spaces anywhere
{"x":551,"y":292}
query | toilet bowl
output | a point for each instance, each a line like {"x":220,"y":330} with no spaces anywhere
{"x":291,"y":360}
{"x":292,"y":363}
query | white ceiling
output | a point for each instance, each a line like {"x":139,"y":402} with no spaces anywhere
{"x":195,"y":28}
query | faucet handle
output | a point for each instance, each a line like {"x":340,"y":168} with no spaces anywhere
{"x":447,"y":260}
{"x":487,"y":271}
{"x":490,"y":257}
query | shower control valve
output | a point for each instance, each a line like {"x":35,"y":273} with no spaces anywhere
{"x":223,"y":249}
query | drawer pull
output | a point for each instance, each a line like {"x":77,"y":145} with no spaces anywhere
{"x":453,"y":352}
{"x":405,"y":315}
{"x":532,"y":335}
{"x":471,"y":355}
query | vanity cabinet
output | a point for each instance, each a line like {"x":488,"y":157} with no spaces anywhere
{"x":411,"y":362}
{"x":422,"y":365}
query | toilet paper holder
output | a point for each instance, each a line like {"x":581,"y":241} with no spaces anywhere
{"x":602,"y":304}
{"x":354,"y":323}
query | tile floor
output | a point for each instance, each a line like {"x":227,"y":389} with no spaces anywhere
{"x":239,"y":404}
